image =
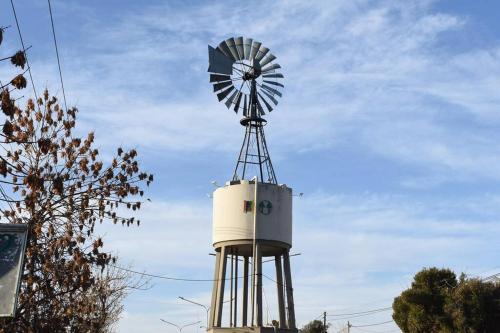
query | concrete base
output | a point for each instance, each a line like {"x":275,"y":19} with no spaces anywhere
{"x":268,"y":329}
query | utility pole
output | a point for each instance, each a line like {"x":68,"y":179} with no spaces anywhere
{"x":348,"y":327}
{"x":324,"y":322}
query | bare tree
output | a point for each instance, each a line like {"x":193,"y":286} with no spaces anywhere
{"x":107,"y":294}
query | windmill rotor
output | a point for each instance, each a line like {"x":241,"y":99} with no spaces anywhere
{"x":245,"y":76}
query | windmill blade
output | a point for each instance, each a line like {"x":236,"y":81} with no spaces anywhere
{"x":255,"y":48}
{"x":245,"y":108}
{"x":224,"y":93}
{"x":219,"y":62}
{"x":218,"y":78}
{"x":268,"y":106}
{"x":274,"y":75}
{"x":270,"y":68}
{"x":262,"y":52}
{"x":237,"y":104}
{"x":274,"y":83}
{"x":267,"y":60}
{"x":271,"y":90}
{"x":261,"y":63}
{"x":222,"y":85}
{"x":271,"y":97}
{"x":239,"y":48}
{"x":259,"y":107}
{"x":230,"y":99}
{"x":225,"y":49}
{"x":247,"y":46}
{"x":232,"y":47}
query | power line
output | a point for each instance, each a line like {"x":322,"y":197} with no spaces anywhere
{"x":376,"y":324}
{"x":187,"y":279}
{"x":491,"y":277}
{"x":360,"y":313}
{"x":321,"y":315}
{"x":351,"y":317}
{"x":24,"y":51}
{"x":57,"y":54}
{"x":164,"y":277}
{"x":369,"y":331}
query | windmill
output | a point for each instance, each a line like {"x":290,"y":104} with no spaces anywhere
{"x":246,"y":77}
{"x":252,"y":213}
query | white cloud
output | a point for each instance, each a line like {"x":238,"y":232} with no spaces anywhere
{"x":368,"y":245}
{"x":374,"y":74}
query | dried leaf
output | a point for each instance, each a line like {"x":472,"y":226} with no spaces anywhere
{"x":18,"y":59}
{"x":3,"y":168}
{"x":19,"y":82}
{"x":8,"y":129}
{"x":7,"y":103}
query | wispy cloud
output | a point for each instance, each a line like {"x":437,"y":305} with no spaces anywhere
{"x":369,"y":245}
{"x":376,"y":78}
{"x":356,"y":71}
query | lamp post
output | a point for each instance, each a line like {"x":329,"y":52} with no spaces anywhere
{"x":207,"y":308}
{"x":180,"y":328}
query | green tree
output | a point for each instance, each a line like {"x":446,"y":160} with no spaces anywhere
{"x":315,"y":326}
{"x":439,"y":303}
{"x":420,"y":309}
{"x":475,"y":306}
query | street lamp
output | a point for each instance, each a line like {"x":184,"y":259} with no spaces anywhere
{"x":180,"y":328}
{"x":207,"y":308}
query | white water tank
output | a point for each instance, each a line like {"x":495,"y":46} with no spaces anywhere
{"x":234,"y":209}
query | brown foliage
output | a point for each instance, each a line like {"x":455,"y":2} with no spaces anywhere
{"x":54,"y":182}
{"x":18,"y":59}
{"x":7,"y":103}
{"x":19,"y":82}
{"x":61,"y":189}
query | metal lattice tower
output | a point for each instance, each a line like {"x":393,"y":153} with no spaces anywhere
{"x":253,"y":152}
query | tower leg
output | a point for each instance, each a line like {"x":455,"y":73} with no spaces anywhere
{"x":244,"y":313}
{"x":231,"y":292}
{"x":220,"y":287}
{"x":235,"y":320}
{"x":258,"y":273}
{"x":281,"y":296}
{"x":214,"y":290}
{"x":289,"y":290}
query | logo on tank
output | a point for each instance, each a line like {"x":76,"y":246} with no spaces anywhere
{"x":265,"y":207}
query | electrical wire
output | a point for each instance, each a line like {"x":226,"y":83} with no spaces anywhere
{"x":376,"y":324}
{"x":491,"y":277}
{"x":57,"y":54}
{"x":24,"y":50}
{"x":397,"y":330}
{"x":318,"y":317}
{"x":360,"y":313}
{"x":351,"y":317}
{"x":169,"y":277}
{"x":187,"y":279}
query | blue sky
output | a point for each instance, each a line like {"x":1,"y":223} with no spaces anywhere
{"x":389,"y":124}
